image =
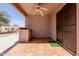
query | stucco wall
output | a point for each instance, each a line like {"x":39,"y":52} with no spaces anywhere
{"x":53,"y":22}
{"x":40,"y":26}
{"x":77,"y":23}
{"x":43,"y":26}
{"x":53,"y":26}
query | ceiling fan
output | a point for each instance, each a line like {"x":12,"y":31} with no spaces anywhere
{"x":39,"y":10}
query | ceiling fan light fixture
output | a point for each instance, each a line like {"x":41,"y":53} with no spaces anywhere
{"x":36,"y":11}
{"x":39,"y":10}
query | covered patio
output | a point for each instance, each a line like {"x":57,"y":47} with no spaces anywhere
{"x":59,"y":23}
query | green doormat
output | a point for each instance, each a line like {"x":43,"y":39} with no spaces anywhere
{"x":54,"y":44}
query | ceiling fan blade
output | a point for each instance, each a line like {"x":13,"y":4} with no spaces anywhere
{"x":41,"y":13}
{"x":34,"y":12}
{"x":43,"y":9}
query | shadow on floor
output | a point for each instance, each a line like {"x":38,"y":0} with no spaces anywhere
{"x":43,"y":41}
{"x":38,"y":41}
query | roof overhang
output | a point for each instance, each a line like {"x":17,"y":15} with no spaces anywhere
{"x":17,"y":5}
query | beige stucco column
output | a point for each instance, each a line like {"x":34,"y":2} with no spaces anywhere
{"x":77,"y":28}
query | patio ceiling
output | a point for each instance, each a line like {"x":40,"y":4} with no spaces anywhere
{"x":29,"y":8}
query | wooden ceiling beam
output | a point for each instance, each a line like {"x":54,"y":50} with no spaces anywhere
{"x":17,"y":5}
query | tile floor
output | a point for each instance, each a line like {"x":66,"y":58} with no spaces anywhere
{"x":37,"y":47}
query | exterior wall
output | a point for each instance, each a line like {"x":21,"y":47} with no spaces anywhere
{"x":77,"y":23}
{"x":4,"y":29}
{"x":53,"y":22}
{"x":43,"y":26}
{"x":40,"y":26}
{"x":53,"y":26}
